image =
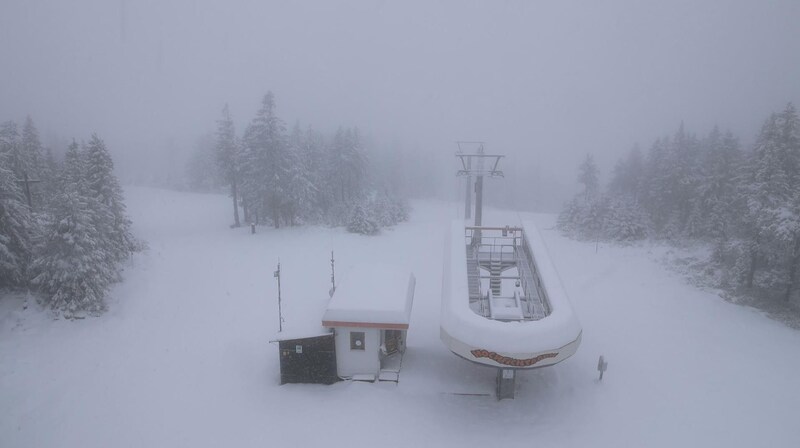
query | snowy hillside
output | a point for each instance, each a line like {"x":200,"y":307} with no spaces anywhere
{"x":183,"y":359}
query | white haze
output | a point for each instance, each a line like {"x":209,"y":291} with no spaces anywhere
{"x":545,"y":83}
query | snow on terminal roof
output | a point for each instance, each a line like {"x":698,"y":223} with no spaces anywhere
{"x":372,"y":295}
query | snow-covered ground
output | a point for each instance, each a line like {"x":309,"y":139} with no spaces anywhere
{"x":182,"y":358}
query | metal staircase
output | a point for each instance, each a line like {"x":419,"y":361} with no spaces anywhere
{"x":496,"y":268}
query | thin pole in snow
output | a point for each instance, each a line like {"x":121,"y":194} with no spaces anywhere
{"x":277,"y":274}
{"x":333,"y":277}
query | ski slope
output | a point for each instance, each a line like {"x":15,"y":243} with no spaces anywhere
{"x":182,"y":358}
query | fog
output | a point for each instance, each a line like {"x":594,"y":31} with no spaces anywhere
{"x":544,"y":83}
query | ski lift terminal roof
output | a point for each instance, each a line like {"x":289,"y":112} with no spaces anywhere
{"x":372,"y":296}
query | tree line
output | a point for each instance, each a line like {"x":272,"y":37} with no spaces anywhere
{"x":286,"y":178}
{"x":744,"y":203}
{"x":64,"y":230}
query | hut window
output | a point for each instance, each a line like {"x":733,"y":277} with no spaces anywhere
{"x":356,"y":340}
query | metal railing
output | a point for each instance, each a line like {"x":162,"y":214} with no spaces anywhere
{"x":502,"y":248}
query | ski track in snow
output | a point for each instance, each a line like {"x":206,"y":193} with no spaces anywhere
{"x":182,"y":358}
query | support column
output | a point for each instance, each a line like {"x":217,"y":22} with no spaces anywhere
{"x":478,"y":201}
{"x":506,"y":383}
{"x":468,"y":204}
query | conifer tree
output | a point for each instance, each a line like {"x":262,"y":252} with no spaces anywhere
{"x":587,"y":175}
{"x":227,"y":149}
{"x":788,"y":225}
{"x":16,"y":228}
{"x":717,"y":194}
{"x":104,"y":189}
{"x":88,"y":235}
{"x":264,"y":167}
{"x":32,"y":149}
{"x":628,"y":176}
{"x":765,"y":192}
{"x":584,"y":215}
{"x":73,"y":268}
{"x":347,"y":164}
{"x":11,"y":146}
{"x":72,"y":272}
{"x":301,"y":192}
{"x":361,"y":222}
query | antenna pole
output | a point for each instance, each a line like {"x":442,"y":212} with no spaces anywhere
{"x":333,"y":276}
{"x":277,"y":274}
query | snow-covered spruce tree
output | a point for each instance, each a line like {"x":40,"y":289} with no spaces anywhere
{"x":227,"y":157}
{"x":24,"y":155}
{"x":765,"y":192}
{"x":11,"y":146}
{"x":347,"y":165}
{"x":49,"y":185}
{"x":787,"y":230}
{"x":300,"y":191}
{"x":624,"y":219}
{"x":313,"y":149}
{"x":361,"y":222}
{"x":628,"y":176}
{"x":589,"y":177}
{"x":655,"y":183}
{"x":583,"y":216}
{"x":263,"y":161}
{"x":202,"y":170}
{"x":569,"y":216}
{"x":398,"y":209}
{"x":33,"y":154}
{"x":16,"y":228}
{"x":770,"y":225}
{"x":72,"y":272}
{"x":104,"y":188}
{"x":74,"y":267}
{"x":686,"y":178}
{"x":671,"y":185}
{"x":387,"y":210}
{"x":722,"y":160}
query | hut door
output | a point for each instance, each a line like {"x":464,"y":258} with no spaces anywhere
{"x":391,"y":341}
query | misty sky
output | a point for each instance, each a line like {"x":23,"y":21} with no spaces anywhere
{"x":545,"y":82}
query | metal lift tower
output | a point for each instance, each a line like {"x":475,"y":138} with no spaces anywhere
{"x":483,"y":165}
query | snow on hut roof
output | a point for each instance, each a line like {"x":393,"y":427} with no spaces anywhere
{"x":374,"y":296}
{"x":291,"y":335}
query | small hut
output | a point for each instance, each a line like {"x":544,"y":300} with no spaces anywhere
{"x":369,"y":314}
